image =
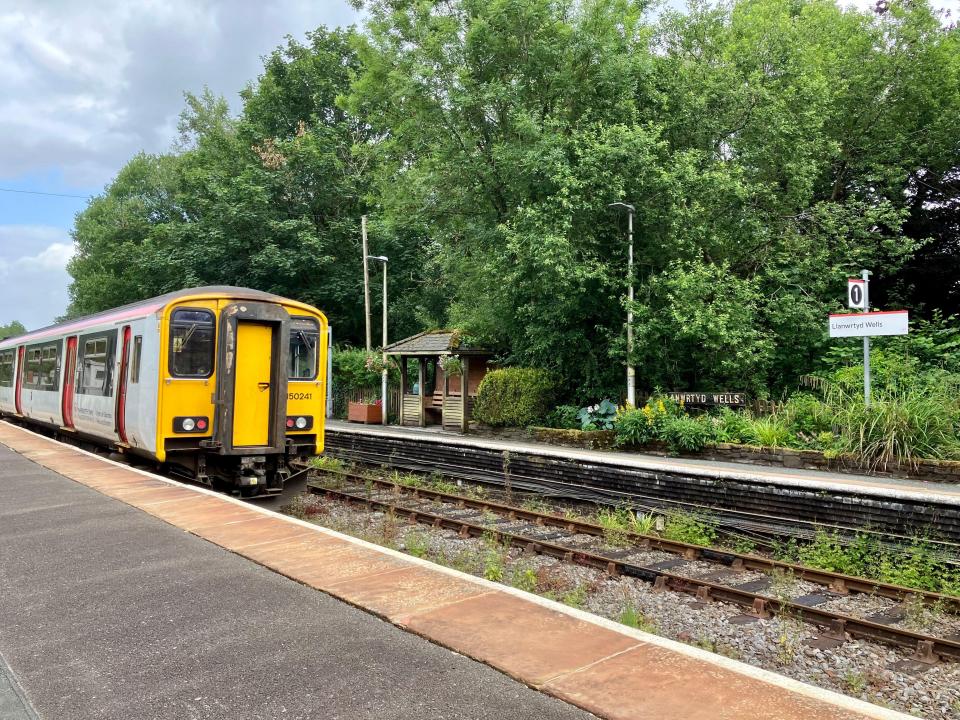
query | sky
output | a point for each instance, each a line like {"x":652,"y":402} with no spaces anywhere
{"x":84,"y":86}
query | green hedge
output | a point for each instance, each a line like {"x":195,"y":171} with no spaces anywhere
{"x":514,"y":397}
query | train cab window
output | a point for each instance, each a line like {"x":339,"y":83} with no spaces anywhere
{"x":304,"y":338}
{"x":6,"y":368}
{"x":135,"y":360}
{"x":192,"y":343}
{"x":96,"y":362}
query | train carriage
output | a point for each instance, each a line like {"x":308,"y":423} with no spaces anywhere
{"x":225,"y":385}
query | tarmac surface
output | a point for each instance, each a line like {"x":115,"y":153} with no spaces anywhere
{"x":108,"y":612}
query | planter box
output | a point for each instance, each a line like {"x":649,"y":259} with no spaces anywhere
{"x":363,"y":413}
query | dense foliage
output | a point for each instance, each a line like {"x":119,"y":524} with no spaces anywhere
{"x":11,"y":329}
{"x":771,"y":148}
{"x":514,"y":397}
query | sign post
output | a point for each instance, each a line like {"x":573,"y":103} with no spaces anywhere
{"x":866,"y":339}
{"x":866,"y":324}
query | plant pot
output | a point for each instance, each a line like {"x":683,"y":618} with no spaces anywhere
{"x":367,"y":413}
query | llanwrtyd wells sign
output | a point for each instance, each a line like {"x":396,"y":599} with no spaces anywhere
{"x":709,"y":399}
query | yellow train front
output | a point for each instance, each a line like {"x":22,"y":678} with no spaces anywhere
{"x":223,"y":385}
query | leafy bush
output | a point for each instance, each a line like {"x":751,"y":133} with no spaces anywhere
{"x":597,"y":417}
{"x":807,"y":414}
{"x":687,"y":434}
{"x":360,"y":370}
{"x":514,"y":397}
{"x":772,"y":431}
{"x":733,"y":427}
{"x":639,"y":426}
{"x":564,"y":417}
{"x":899,"y":427}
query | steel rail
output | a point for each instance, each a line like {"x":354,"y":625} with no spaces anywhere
{"x":928,"y":648}
{"x":836,"y":582}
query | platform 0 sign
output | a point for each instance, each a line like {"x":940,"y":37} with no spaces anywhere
{"x":869,"y":324}
{"x":709,"y":399}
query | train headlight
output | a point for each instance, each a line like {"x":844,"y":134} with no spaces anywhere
{"x":299,"y":422}
{"x":190,"y":424}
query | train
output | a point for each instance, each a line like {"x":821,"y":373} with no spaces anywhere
{"x":223,"y":385}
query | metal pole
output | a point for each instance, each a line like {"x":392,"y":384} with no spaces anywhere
{"x":366,"y":281}
{"x":384,"y":382}
{"x":865,"y":274}
{"x":631,"y":376}
{"x":329,"y":371}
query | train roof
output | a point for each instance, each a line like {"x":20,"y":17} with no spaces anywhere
{"x":141,"y":308}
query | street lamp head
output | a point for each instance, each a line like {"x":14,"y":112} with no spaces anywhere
{"x":381,"y":258}
{"x":626,"y":206}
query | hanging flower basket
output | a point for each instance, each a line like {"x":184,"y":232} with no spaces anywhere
{"x":451,"y":365}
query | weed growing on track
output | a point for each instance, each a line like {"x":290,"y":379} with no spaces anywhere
{"x":631,"y":617}
{"x":856,"y":682}
{"x":914,"y":565}
{"x":495,"y":557}
{"x":325,"y":463}
{"x":524,"y":578}
{"x":692,"y":528}
{"x":417,"y":543}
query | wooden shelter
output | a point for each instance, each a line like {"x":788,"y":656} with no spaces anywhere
{"x":438,"y":397}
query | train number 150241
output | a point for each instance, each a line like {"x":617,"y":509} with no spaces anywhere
{"x":299,"y":396}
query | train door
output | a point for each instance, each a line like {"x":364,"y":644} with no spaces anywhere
{"x":69,"y":381}
{"x":252,"y":393}
{"x":121,"y":413}
{"x":19,"y":387}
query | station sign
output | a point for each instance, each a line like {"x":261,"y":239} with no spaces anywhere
{"x":710,"y":399}
{"x":869,"y":324}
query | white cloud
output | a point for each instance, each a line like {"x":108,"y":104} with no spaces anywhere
{"x":85,"y":86}
{"x":52,"y":257}
{"x":33,"y":276}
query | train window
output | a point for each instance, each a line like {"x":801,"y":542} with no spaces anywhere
{"x":135,"y":361}
{"x":50,"y":367}
{"x":6,"y":368}
{"x":31,"y":368}
{"x":304,"y":338}
{"x":96,"y":362}
{"x":41,"y":367}
{"x":192,"y":336}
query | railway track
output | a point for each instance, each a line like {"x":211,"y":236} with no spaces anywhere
{"x":582,"y":542}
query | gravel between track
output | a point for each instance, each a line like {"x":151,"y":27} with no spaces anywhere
{"x":856,"y":668}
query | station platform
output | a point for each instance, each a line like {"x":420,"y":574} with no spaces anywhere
{"x":128,"y":595}
{"x":886,"y":487}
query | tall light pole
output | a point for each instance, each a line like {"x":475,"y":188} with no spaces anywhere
{"x":383,"y":382}
{"x":366,"y":280}
{"x":631,"y":375}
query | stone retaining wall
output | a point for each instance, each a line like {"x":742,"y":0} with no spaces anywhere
{"x":947,"y":471}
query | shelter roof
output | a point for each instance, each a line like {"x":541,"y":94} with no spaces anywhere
{"x":434,"y":342}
